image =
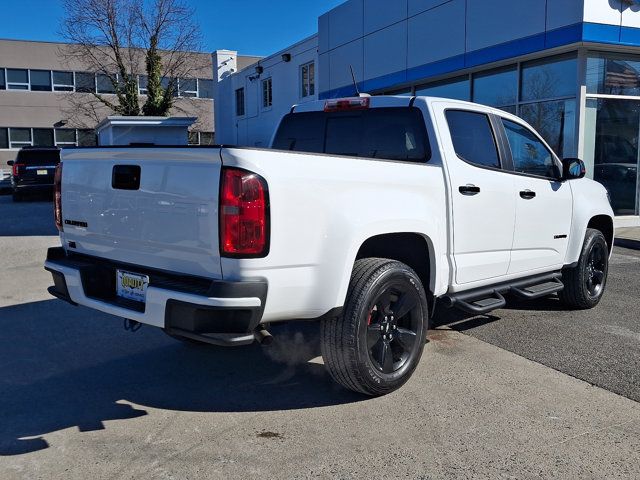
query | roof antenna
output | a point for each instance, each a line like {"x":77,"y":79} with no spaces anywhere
{"x":355,"y":84}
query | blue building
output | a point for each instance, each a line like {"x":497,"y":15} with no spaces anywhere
{"x":571,"y":68}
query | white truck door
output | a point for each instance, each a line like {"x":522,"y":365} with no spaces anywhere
{"x":483,"y":211}
{"x":543,"y":203}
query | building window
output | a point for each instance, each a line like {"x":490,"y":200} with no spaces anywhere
{"x":17,"y":79}
{"x":188,"y":87}
{"x":65,"y":136}
{"x":104,"y":83}
{"x":267,"y":93}
{"x":240,"y":102}
{"x":613,"y":74}
{"x":4,"y":138}
{"x":549,"y":78}
{"x":205,"y":88}
{"x":142,"y":84}
{"x":2,"y":81}
{"x":206,"y":138}
{"x":43,"y":137}
{"x":194,"y":138}
{"x":308,"y":78}
{"x":496,"y":88}
{"x":87,"y":138}
{"x":63,"y":81}
{"x":40,"y":80}
{"x":457,"y":88}
{"x":85,"y":82}
{"x":19,"y":137}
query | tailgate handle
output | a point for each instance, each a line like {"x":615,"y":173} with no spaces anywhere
{"x":126,"y":177}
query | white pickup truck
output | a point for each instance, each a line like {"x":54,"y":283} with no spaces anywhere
{"x":364,"y":213}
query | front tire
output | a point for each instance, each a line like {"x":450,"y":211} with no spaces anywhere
{"x":585,"y":283}
{"x":375,"y":345}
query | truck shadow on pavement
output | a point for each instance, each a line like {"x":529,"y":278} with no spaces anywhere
{"x":64,"y":366}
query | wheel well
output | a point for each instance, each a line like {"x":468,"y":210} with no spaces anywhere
{"x":409,"y":248}
{"x":605,"y":225}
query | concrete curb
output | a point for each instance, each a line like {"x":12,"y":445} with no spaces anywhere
{"x":627,"y":243}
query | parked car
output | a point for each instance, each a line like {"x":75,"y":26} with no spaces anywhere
{"x":33,"y":171}
{"x":364,"y":215}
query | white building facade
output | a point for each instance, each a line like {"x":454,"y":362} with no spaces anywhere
{"x":571,"y":68}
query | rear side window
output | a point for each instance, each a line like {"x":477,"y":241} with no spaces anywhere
{"x":385,"y":133}
{"x":473,"y":138}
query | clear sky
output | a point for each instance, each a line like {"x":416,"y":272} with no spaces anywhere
{"x":252,"y":27}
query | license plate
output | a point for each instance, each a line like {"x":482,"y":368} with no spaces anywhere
{"x":132,"y":285}
{"x":43,"y":172}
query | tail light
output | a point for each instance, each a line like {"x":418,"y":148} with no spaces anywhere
{"x":244,"y":214}
{"x":16,"y":168}
{"x":57,"y":196}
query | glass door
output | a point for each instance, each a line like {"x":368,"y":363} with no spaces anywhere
{"x":612,"y":137}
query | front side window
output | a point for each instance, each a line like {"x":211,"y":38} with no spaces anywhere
{"x":267,"y":93}
{"x":529,"y":154}
{"x":63,"y":81}
{"x":473,"y":138}
{"x":17,"y":79}
{"x":308,"y":78}
{"x":40,"y":80}
{"x":240,"y":102}
{"x":385,"y":133}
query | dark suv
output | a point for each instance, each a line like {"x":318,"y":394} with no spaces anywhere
{"x":33,"y":170}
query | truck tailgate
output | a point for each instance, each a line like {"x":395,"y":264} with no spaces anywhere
{"x":168,"y":222}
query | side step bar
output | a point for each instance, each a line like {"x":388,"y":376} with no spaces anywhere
{"x":485,"y":299}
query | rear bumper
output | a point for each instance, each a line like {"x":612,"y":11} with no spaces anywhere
{"x":225,"y":313}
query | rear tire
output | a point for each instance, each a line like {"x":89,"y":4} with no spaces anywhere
{"x":584,"y":284}
{"x":375,"y":345}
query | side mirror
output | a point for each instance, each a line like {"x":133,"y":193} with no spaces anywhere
{"x":10,"y":163}
{"x":573,"y":168}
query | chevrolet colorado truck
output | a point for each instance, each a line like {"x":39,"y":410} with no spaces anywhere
{"x":363,"y":214}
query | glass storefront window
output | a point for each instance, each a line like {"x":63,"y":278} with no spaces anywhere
{"x":613,"y":74}
{"x":555,"y":121}
{"x":496,"y":87}
{"x":457,"y":89}
{"x":549,"y":78}
{"x":612,"y":132}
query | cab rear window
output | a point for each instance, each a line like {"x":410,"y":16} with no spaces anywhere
{"x":39,"y":157}
{"x":385,"y":133}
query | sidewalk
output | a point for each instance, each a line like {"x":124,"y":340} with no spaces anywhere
{"x":628,"y":237}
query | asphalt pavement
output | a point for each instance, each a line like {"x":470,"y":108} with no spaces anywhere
{"x":494,"y":397}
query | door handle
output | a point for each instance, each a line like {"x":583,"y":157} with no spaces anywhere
{"x":528,"y":194}
{"x":469,"y":190}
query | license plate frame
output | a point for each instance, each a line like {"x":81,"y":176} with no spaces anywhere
{"x":132,"y":286}
{"x":42,"y":172}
